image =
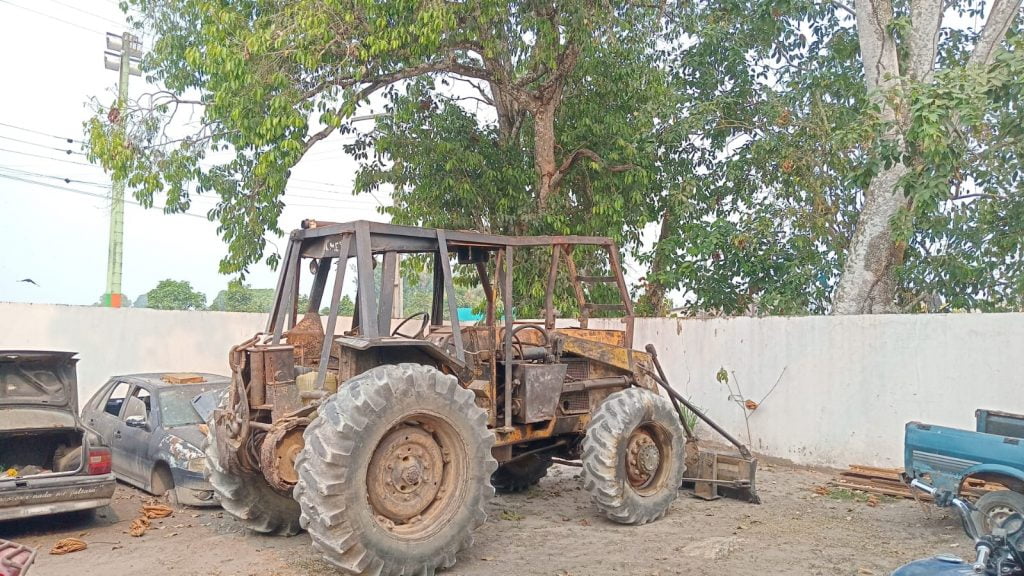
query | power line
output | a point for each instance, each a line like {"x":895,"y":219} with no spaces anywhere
{"x":51,"y":17}
{"x":62,"y":179}
{"x":93,"y":14}
{"x":47,"y":147}
{"x":87,"y":193}
{"x":23,"y":129}
{"x":352,"y":199}
{"x":48,"y":157}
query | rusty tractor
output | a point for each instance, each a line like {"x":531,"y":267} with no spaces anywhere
{"x":385,"y":440}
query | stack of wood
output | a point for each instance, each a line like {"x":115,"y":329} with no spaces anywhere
{"x":888,"y":482}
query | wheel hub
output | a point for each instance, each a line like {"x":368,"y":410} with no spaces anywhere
{"x":405,"y":474}
{"x":278,"y":451}
{"x":643,"y":458}
{"x":998,"y":515}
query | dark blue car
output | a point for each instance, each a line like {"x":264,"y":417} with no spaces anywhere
{"x":154,"y":432}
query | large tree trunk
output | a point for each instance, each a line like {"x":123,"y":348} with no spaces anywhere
{"x":652,"y":302}
{"x":544,"y":149}
{"x":868,"y":285}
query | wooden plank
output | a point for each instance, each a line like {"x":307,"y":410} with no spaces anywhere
{"x":856,"y":474}
{"x":878,"y":490}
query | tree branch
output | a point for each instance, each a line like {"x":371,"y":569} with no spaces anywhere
{"x":317,"y":137}
{"x":994,"y":32}
{"x":926,"y":22}
{"x":568,"y":163}
{"x":844,"y":8}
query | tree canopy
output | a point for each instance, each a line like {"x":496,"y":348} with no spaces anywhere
{"x":175,"y":295}
{"x":740,"y":151}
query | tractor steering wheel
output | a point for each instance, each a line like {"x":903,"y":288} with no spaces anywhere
{"x":420,"y":333}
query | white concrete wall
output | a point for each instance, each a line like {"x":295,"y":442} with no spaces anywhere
{"x":850,"y":383}
{"x":123,"y":341}
{"x":849,"y":386}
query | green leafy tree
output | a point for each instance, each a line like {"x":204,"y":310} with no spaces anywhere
{"x":240,"y":297}
{"x":273,"y":79}
{"x":796,"y":157}
{"x":175,"y":295}
{"x":791,"y":160}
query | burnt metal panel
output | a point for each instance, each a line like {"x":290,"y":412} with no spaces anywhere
{"x":332,"y":316}
{"x":437,"y":293}
{"x":549,"y":296}
{"x":315,"y":229}
{"x":485,"y":282}
{"x":279,"y":289}
{"x":540,"y":385}
{"x":367,"y":297}
{"x":449,"y":288}
{"x":719,"y":470}
{"x":426,"y":346}
{"x":577,"y":402}
{"x":574,"y":281}
{"x":578,"y":368}
{"x":387,"y":292}
{"x":286,"y":295}
{"x":316,"y":293}
{"x":279,"y":371}
{"x":506,"y":299}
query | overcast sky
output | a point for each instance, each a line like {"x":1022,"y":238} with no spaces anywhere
{"x":55,"y":232}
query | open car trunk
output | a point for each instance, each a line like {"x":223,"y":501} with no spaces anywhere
{"x":31,"y":453}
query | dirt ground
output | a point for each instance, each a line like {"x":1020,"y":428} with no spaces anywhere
{"x":551,"y":530}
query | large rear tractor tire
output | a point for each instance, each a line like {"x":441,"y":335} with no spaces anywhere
{"x":634,"y":456}
{"x":395,"y":472}
{"x":250,"y":499}
{"x":520,"y":474}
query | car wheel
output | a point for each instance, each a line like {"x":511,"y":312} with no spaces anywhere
{"x":161,"y":482}
{"x":995,"y":507}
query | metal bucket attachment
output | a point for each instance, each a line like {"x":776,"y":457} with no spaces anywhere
{"x":714,"y":474}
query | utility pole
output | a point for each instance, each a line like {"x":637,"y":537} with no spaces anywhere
{"x":126,"y":50}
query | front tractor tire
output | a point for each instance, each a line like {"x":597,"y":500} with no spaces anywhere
{"x":633,"y":456}
{"x":249,"y":498}
{"x":395,"y":472}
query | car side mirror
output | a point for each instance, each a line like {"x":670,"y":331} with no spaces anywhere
{"x":135,"y":421}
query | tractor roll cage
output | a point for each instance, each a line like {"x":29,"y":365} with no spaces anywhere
{"x":363,"y":240}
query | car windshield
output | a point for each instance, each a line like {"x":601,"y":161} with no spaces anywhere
{"x":176,"y":404}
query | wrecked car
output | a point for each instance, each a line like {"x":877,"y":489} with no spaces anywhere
{"x":155,"y":433}
{"x":49,"y":461}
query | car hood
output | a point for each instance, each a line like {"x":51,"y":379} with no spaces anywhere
{"x":36,"y":378}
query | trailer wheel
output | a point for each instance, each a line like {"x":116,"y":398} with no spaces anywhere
{"x":250,"y":499}
{"x":633,"y":456}
{"x":520,"y":474}
{"x":395,"y":472}
{"x":995,"y":507}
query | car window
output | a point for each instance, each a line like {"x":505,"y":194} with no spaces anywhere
{"x":176,"y":404}
{"x":116,"y":399}
{"x":139,"y":404}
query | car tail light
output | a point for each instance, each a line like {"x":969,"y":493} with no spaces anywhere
{"x":99,"y":461}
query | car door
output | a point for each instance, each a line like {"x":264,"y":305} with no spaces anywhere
{"x":104,"y":413}
{"x":132,"y":438}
